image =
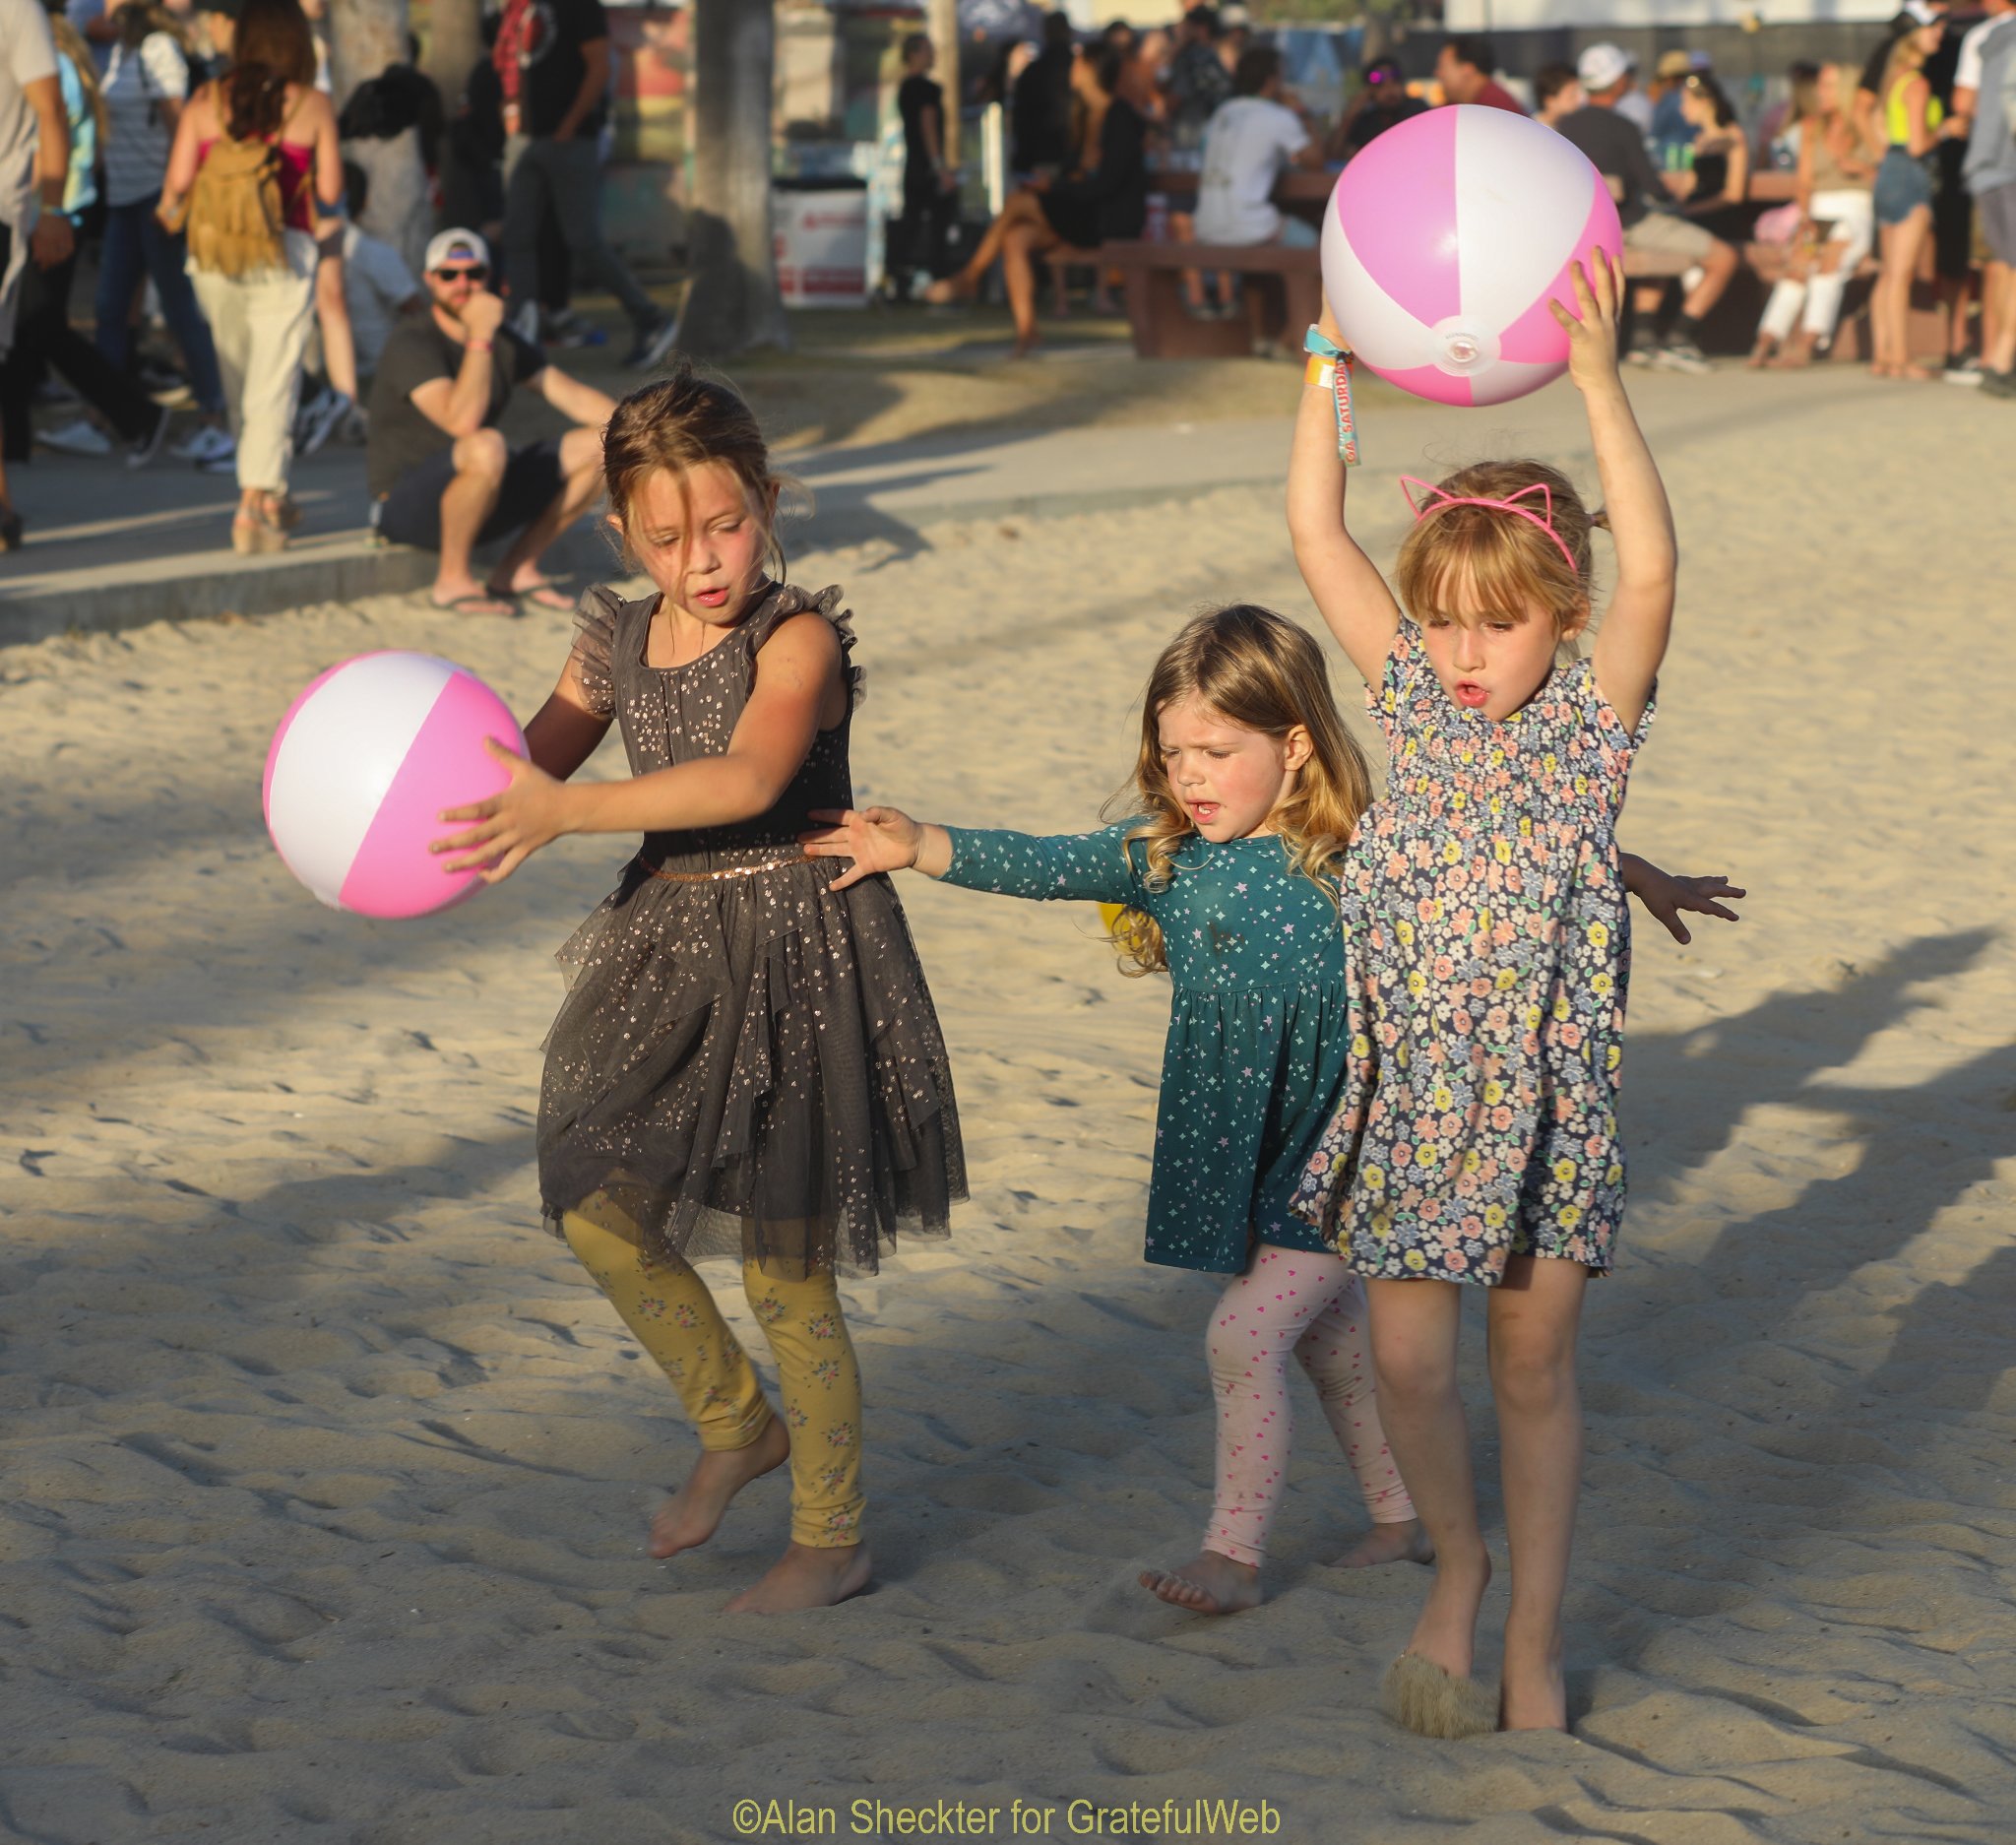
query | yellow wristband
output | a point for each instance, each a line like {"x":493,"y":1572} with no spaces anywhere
{"x":1321,"y":372}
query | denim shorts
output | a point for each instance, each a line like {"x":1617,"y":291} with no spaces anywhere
{"x":1902,"y":186}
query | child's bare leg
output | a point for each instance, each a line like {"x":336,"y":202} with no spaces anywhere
{"x":1337,"y":1354}
{"x":821,"y":1382}
{"x":1534,"y":1316}
{"x":1413,"y":1343}
{"x":673,"y":1317}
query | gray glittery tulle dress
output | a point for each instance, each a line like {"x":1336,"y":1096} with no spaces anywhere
{"x":747,"y":1062}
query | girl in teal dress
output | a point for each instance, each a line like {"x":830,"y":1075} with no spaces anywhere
{"x":1246,"y":792}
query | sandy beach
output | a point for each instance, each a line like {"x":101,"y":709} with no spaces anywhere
{"x":326,"y":1471}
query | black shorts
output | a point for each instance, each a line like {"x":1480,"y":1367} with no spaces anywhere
{"x":410,"y":514}
{"x":1952,"y":215}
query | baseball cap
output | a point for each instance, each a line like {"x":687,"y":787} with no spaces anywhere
{"x":1600,"y":66}
{"x":456,"y":246}
{"x":1674,"y":64}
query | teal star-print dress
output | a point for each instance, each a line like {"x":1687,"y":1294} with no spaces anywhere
{"x":1258,"y":1048}
{"x":1490,"y":954}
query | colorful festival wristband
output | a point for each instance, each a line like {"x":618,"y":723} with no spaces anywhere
{"x":1329,"y":369}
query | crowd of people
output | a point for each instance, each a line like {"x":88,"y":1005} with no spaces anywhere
{"x":1912,"y":153}
{"x":193,"y":146}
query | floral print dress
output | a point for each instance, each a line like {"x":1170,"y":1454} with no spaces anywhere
{"x":1259,"y":1033}
{"x":1492,"y":948}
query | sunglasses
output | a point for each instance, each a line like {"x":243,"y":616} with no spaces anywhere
{"x":476,"y":272}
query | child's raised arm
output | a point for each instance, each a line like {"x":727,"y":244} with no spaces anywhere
{"x":1631,"y":642}
{"x":1351,"y":594}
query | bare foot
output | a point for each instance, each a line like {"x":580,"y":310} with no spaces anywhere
{"x":691,"y":1515}
{"x":1402,"y":1542}
{"x":1798,"y":355}
{"x":1915,"y":373}
{"x":1208,"y":1584}
{"x":944,"y":291}
{"x":1533,"y":1694}
{"x":1446,"y":1634}
{"x":804,"y":1577}
{"x":1025,"y":344}
{"x":1760,"y":353}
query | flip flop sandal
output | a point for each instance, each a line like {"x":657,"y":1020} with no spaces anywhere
{"x":470,"y":603}
{"x":549,"y":597}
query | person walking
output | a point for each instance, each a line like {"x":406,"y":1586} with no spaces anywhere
{"x":552,"y":57}
{"x":145,"y":87}
{"x":1988,"y":75}
{"x":43,"y":335}
{"x":34,"y":168}
{"x":255,"y":164}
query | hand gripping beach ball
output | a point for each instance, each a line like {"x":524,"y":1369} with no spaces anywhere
{"x":362,"y":764}
{"x":1445,"y":240}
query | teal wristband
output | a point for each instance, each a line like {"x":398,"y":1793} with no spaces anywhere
{"x":1337,"y":360}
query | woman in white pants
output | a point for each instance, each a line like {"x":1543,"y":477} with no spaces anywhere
{"x":259,"y":313}
{"x":1837,"y":226}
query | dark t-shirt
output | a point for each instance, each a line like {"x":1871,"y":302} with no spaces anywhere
{"x":403,"y":435}
{"x":914,"y":98}
{"x":1042,"y":113}
{"x":1370,"y":122}
{"x":552,"y":65}
{"x":1616,"y":150}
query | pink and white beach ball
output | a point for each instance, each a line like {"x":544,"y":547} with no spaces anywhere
{"x":360,"y":766}
{"x":1444,"y":241}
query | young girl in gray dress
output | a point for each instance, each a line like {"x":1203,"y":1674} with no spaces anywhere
{"x":747,"y":1062}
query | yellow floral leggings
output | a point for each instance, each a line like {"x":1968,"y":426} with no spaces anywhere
{"x":674,"y":1318}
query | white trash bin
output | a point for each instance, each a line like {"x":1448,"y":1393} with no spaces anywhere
{"x":821,"y":235}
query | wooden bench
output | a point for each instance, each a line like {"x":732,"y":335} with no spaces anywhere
{"x":1163,"y":326}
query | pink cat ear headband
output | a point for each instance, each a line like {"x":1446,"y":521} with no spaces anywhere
{"x":1436,"y":500}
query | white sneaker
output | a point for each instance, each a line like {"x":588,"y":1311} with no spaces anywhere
{"x":76,"y":438}
{"x":208,"y":444}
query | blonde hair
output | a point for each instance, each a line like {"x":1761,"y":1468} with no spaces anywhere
{"x":1506,"y":563}
{"x":1907,"y":56}
{"x":1260,"y":672}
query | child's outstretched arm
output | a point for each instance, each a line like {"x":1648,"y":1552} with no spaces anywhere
{"x":1350,"y":592}
{"x":1666,"y":894}
{"x":1632,"y":639}
{"x":878,"y":840}
{"x":797,"y":679}
{"x":1065,"y":868}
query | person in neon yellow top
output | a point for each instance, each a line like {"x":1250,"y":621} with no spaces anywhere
{"x":1910,"y":116}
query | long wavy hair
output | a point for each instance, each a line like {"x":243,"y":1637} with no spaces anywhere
{"x":272,"y":48}
{"x":1260,"y":672}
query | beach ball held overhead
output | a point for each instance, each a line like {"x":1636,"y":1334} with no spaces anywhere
{"x":1445,"y":240}
{"x":362,"y":764}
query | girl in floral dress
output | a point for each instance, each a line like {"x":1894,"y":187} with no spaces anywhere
{"x":1245,"y":789}
{"x":1475,"y":1144}
{"x":747,"y":1062}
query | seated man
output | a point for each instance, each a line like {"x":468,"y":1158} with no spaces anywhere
{"x":1250,"y":138}
{"x":442,"y":475}
{"x":1616,"y":150}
